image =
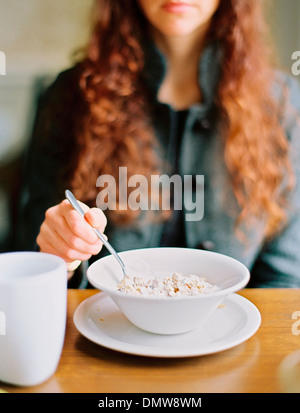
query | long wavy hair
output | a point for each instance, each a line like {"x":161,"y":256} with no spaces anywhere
{"x":115,"y":129}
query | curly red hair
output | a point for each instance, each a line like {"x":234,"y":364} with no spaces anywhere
{"x":116,"y":130}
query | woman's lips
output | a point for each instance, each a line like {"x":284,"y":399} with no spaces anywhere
{"x":177,"y":7}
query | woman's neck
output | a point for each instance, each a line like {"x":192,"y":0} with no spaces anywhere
{"x":180,"y":87}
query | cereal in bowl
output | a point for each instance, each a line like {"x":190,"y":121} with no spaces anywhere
{"x":173,"y":286}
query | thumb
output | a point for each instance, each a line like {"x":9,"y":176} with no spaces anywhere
{"x":96,"y":218}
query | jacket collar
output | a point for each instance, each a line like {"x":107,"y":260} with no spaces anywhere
{"x":209,"y":72}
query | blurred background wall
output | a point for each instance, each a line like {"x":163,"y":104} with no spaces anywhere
{"x":38,"y":38}
{"x":284,"y":19}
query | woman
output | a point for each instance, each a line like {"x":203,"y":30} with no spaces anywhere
{"x":183,"y":87}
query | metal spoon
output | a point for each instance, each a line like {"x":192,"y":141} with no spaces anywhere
{"x":73,"y":201}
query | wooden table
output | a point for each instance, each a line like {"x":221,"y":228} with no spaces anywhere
{"x":251,"y":367}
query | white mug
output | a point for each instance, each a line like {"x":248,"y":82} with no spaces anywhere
{"x":33,"y":308}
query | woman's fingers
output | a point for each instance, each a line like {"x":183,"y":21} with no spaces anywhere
{"x":52,"y":245}
{"x":67,"y":244}
{"x":66,"y":233}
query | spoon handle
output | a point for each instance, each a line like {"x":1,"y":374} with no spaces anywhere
{"x":73,"y":201}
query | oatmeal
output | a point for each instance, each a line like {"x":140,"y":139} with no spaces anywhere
{"x":176,"y":285}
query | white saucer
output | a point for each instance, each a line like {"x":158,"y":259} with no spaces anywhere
{"x":100,"y":320}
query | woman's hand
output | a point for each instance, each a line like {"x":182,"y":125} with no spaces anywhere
{"x":65,"y":233}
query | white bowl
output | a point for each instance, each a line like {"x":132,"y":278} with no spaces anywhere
{"x":169,"y":315}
